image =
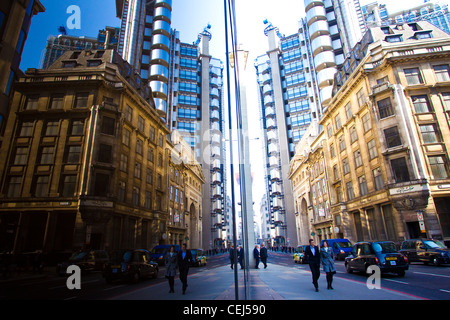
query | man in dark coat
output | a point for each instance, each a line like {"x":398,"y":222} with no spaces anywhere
{"x":232,"y":257}
{"x":263,"y":255}
{"x":312,"y":255}
{"x":256,"y":256}
{"x":241,"y":257}
{"x":184,"y":262}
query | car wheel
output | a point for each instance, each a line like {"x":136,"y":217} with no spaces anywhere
{"x":136,"y":276}
{"x":347,"y":267}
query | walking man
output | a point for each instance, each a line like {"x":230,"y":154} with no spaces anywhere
{"x":263,"y":255}
{"x":241,"y":257}
{"x":312,"y":255}
{"x":256,"y":256}
{"x":232,"y":256}
{"x":184,"y":262}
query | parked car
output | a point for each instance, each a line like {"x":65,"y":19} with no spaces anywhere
{"x":87,"y":260}
{"x":131,"y":266}
{"x":299,"y":254}
{"x":158,"y":252}
{"x":198,"y":257}
{"x":383,"y":254}
{"x":426,"y":251}
{"x":341,"y":247}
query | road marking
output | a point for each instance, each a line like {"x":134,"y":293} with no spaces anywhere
{"x":402,"y":282}
{"x":432,"y":274}
{"x":82,"y":283}
{"x":71,"y":298}
{"x":444,"y":290}
{"x":115,"y":287}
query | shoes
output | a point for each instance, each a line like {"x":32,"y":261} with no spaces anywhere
{"x":317,"y":289}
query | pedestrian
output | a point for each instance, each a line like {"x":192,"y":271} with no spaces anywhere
{"x":312,"y":255}
{"x":327,"y":258}
{"x":256,"y":256}
{"x":171,"y":262}
{"x":263,"y":255}
{"x":232,"y":256}
{"x":241,"y":257}
{"x":184,"y":262}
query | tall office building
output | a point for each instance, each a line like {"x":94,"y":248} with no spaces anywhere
{"x":295,"y":80}
{"x":57,"y":45}
{"x":186,"y":83}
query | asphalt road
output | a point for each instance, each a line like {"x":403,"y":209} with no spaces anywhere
{"x":420,"y":281}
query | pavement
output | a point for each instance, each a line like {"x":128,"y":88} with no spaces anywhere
{"x":277,"y":282}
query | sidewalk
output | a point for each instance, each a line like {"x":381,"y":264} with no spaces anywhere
{"x":274,"y":283}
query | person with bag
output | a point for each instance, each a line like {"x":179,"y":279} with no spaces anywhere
{"x":327,"y":258}
{"x":171,"y":262}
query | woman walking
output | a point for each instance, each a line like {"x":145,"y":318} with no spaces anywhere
{"x":327,"y":257}
{"x":171,"y":267}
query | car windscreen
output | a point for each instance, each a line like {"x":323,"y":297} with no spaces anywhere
{"x":384,"y":247}
{"x":345,"y":244}
{"x":433,"y":244}
{"x":79,"y":256}
{"x":158,"y":250}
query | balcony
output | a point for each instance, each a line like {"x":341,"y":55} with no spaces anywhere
{"x":324,"y":60}
{"x":318,"y":28}
{"x":325,"y":77}
{"x":162,"y":13}
{"x":315,"y":14}
{"x":321,"y":43}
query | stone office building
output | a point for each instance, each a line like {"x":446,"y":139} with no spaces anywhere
{"x":85,"y":160}
{"x":386,"y":136}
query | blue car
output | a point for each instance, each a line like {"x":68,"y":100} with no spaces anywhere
{"x":341,"y":247}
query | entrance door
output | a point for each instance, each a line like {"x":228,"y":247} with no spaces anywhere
{"x":413,"y":229}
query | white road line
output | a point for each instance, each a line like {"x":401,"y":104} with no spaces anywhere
{"x":402,"y":282}
{"x":432,"y":274}
{"x":115,"y":287}
{"x":448,"y":291}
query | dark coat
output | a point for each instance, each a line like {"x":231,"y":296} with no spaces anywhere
{"x":312,"y":259}
{"x":184,"y":264}
{"x":263,"y":252}
{"x":327,"y":257}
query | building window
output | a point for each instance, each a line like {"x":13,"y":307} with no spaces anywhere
{"x":102,"y":184}
{"x":400,"y":170}
{"x":108,"y":126}
{"x":350,"y":193}
{"x":149,"y":177}
{"x":442,"y":72}
{"x":353,"y":134}
{"x":429,"y":133}
{"x":121,"y":194}
{"x":332,"y":151}
{"x":46,"y":155}
{"x":21,"y":155}
{"x":26,"y":129}
{"x":339,"y":194}
{"x":105,"y":153}
{"x":148,"y":200}
{"x":373,"y":152}
{"x":348,"y":110}
{"x":141,"y":124}
{"x":151,"y":155}
{"x":14,"y":186}
{"x":421,"y":104}
{"x":57,"y":101}
{"x":385,"y":108}
{"x":361,"y":98}
{"x":341,"y":143}
{"x":123,"y":163}
{"x":128,"y":113}
{"x":81,"y":100}
{"x":51,"y":129}
{"x":73,"y":154}
{"x":335,"y":172}
{"x":362,"y":185}
{"x":413,"y":76}
{"x":68,"y":187}
{"x":41,"y":186}
{"x":32,"y":102}
{"x":77,"y":127}
{"x":126,"y":137}
{"x":337,"y":121}
{"x":446,"y":100}
{"x":137,"y":170}
{"x":136,"y":196}
{"x":358,"y":158}
{"x":139,"y":146}
{"x":378,"y":179}
{"x":346,"y":166}
{"x":329,"y":130}
{"x":367,"y":124}
{"x":152,"y":133}
{"x":438,"y":167}
{"x":392,"y":137}
{"x":160,"y":160}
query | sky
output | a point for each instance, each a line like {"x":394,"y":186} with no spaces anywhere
{"x":190,"y":17}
